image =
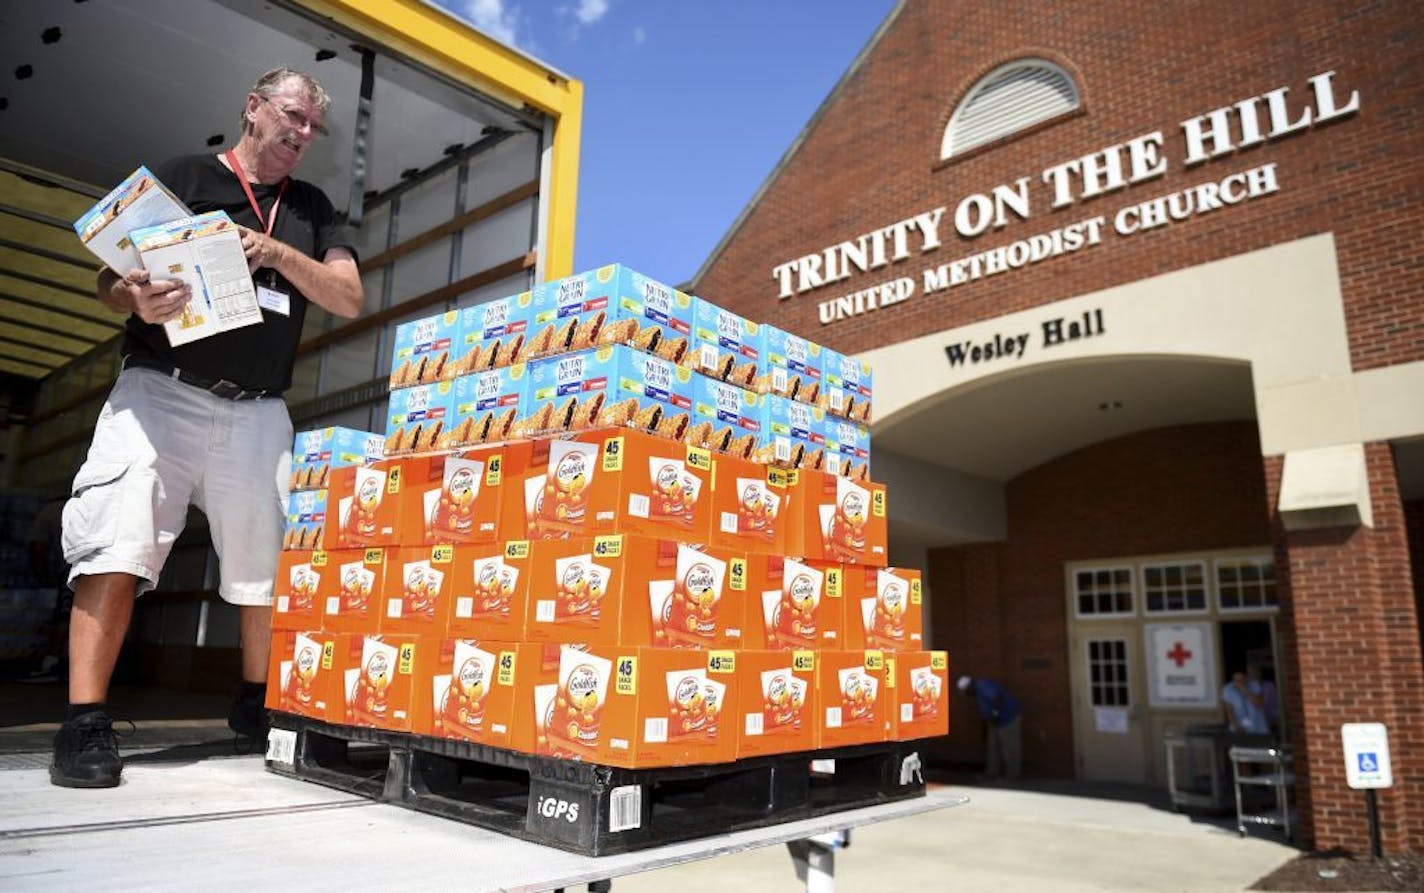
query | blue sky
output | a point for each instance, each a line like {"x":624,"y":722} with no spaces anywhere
{"x":687,"y":107}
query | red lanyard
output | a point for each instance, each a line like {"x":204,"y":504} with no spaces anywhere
{"x":247,"y":188}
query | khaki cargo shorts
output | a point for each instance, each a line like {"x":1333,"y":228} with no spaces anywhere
{"x":160,"y":445}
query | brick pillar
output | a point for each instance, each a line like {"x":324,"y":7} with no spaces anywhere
{"x":1350,"y":637}
{"x":965,"y":619}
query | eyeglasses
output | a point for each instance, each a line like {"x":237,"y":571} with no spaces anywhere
{"x":297,"y":119}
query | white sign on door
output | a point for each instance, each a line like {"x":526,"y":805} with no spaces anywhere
{"x":1366,"y":755}
{"x":1179,"y":665}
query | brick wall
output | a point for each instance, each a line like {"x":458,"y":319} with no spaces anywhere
{"x":1000,"y":609}
{"x":1350,"y":634}
{"x":872,"y":159}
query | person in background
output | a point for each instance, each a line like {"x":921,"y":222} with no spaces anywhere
{"x":1241,"y":698}
{"x":1270,"y":702}
{"x":202,"y":423}
{"x":1002,"y":713}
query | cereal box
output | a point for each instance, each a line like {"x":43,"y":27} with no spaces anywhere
{"x":302,"y":676}
{"x":416,"y":417}
{"x":919,"y":694}
{"x":848,"y":386}
{"x":490,"y":591}
{"x":611,"y":386}
{"x":725,"y":418}
{"x":793,"y":434}
{"x":855,"y":702}
{"x":725,"y":346}
{"x":355,"y":605}
{"x":378,"y":680}
{"x":423,"y":350}
{"x":610,"y":305}
{"x":791,"y":366}
{"x":486,"y":406}
{"x":847,"y":449}
{"x":492,"y":334}
{"x":316,"y":453}
{"x":777,"y":702}
{"x":306,"y":520}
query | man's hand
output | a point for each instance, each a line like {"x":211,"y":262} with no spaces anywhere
{"x":152,"y":300}
{"x":261,"y":249}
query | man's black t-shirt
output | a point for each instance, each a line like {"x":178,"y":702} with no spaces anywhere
{"x":257,"y":357}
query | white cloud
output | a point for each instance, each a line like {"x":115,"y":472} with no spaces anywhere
{"x":493,"y":17}
{"x":639,"y":35}
{"x":590,"y":11}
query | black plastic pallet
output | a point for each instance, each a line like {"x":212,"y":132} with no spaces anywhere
{"x":588,"y":808}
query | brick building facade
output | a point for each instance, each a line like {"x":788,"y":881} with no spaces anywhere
{"x":1244,"y":391}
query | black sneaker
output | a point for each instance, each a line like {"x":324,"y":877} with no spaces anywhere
{"x":248,"y":720}
{"x":86,"y":752}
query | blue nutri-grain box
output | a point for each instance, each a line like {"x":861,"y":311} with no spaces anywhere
{"x":791,"y":366}
{"x":488,"y":405}
{"x":306,"y":520}
{"x":847,"y":449}
{"x":725,"y":417}
{"x":613,"y":385}
{"x":315,"y":453}
{"x":416,"y":417}
{"x":793,"y":435}
{"x":607,"y":306}
{"x":424,"y":349}
{"x":848,"y":386}
{"x":725,"y":346}
{"x":492,"y":334}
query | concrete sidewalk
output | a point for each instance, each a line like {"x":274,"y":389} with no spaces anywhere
{"x":1011,"y":840}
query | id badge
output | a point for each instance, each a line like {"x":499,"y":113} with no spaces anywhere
{"x":274,"y":300}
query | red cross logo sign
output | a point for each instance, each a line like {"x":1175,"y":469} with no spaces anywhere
{"x":1179,"y":655}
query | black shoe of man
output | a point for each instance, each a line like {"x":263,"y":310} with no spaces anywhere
{"x":248,"y":720}
{"x":86,"y":753}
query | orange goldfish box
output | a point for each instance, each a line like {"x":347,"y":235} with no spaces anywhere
{"x":919,"y":694}
{"x":634,"y":590}
{"x":838,"y":519}
{"x":638,"y":707}
{"x":777,"y":702}
{"x":294,"y":590}
{"x":489,"y":592}
{"x":420,"y":500}
{"x":621,"y":481}
{"x":301,"y":676}
{"x":855,"y":702}
{"x":354,"y":604}
{"x":417,"y":590}
{"x":794,"y":604}
{"x":884,"y":608}
{"x":465,"y":689}
{"x":749,"y":510}
{"x":377,"y":675}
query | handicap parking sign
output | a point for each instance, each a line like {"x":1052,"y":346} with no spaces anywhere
{"x":1366,"y":747}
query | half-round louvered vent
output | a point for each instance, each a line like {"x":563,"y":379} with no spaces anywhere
{"x":1007,"y":100}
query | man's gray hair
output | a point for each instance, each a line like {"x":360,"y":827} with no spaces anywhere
{"x":271,"y":83}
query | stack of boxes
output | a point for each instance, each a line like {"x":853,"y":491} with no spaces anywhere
{"x":577,"y":543}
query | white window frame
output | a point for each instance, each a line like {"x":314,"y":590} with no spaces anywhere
{"x":1207,"y":587}
{"x":1243,"y":609}
{"x":1132,"y":588}
{"x":1127,"y":658}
